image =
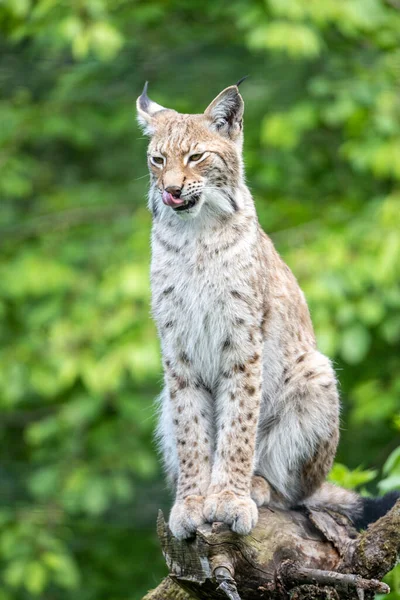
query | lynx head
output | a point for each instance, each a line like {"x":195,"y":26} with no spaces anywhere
{"x":195,"y":161}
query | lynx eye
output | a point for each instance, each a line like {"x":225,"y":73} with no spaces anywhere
{"x":196,"y":157}
{"x":157,"y":160}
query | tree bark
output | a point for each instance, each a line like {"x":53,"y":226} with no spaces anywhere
{"x":301,"y":555}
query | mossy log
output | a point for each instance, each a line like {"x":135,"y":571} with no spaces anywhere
{"x":300,"y":555}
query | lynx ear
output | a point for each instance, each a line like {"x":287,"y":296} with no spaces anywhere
{"x":146,"y":109}
{"x":226,"y":112}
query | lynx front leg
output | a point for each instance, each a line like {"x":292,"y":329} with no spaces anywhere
{"x":238,"y":400}
{"x":188,"y":417}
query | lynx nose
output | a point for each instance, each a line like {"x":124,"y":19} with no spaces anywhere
{"x":174,"y":190}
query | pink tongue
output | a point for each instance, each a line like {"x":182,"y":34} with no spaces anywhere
{"x":169,"y":200}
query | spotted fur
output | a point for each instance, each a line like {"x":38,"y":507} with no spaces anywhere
{"x":248,"y":397}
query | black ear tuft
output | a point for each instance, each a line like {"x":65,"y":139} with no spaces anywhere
{"x":241,"y":80}
{"x":144,"y":100}
{"x":146,"y":110}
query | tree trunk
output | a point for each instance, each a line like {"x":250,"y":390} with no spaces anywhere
{"x":307,"y":554}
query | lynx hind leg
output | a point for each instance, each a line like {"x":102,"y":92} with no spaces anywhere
{"x":297,"y":444}
{"x":260,"y":490}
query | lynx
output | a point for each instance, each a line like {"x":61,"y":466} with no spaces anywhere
{"x":249,"y":414}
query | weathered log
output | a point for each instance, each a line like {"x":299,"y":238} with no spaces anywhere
{"x":301,"y":555}
{"x":375,"y":552}
{"x":168,"y":590}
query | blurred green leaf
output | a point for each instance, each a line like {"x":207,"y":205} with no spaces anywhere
{"x":351,"y":479}
{"x":35,"y":578}
{"x":355,"y":344}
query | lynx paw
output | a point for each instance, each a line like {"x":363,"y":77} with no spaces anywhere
{"x":186,"y":516}
{"x":240,"y":512}
{"x":260,"y":490}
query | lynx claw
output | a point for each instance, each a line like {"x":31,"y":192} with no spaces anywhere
{"x":186,"y":516}
{"x":260,"y":490}
{"x":240,"y":512}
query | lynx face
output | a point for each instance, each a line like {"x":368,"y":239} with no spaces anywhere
{"x":194,"y":160}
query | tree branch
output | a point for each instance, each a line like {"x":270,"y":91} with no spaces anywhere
{"x":376,"y":551}
{"x":341,"y":581}
{"x":301,"y":555}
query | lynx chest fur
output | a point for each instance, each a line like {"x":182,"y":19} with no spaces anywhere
{"x":203,"y":293}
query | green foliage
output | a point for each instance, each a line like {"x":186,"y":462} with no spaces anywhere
{"x":393,"y":581}
{"x":351,"y":479}
{"x":80,"y":360}
{"x":391,"y":470}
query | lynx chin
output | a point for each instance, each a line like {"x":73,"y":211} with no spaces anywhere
{"x":249,"y":414}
